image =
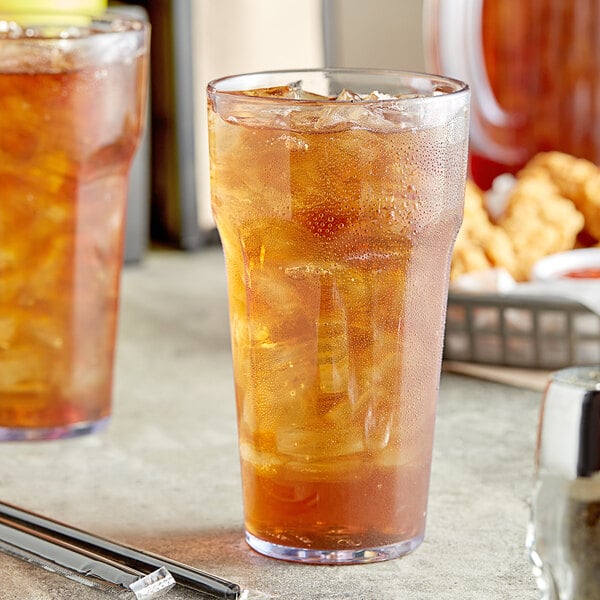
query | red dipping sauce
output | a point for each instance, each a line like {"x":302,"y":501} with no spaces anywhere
{"x":585,"y":273}
{"x":581,"y":265}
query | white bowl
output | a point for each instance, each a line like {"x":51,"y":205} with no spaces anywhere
{"x":570,"y":266}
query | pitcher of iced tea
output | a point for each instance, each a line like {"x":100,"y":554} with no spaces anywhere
{"x":534,"y":71}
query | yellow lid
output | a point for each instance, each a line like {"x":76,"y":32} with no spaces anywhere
{"x":55,"y":6}
{"x":53,"y":10}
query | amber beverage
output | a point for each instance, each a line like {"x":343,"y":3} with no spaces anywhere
{"x":534,"y":70}
{"x":337,"y":219}
{"x":71,"y":106}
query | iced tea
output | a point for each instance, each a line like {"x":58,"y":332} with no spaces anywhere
{"x":70,"y":114}
{"x":534,"y":68}
{"x":337,"y":220}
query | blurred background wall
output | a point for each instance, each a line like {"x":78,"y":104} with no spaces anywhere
{"x":194,"y":41}
{"x":377,"y":33}
{"x":241,"y":36}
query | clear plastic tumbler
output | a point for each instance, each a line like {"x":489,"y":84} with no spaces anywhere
{"x":337,"y":195}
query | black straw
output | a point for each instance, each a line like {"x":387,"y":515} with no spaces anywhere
{"x":16,"y":536}
{"x":146,"y":562}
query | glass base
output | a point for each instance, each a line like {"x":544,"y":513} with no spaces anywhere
{"x":29,"y":434}
{"x":333,"y":557}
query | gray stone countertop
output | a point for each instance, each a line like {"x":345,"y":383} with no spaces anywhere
{"x":165,"y":477}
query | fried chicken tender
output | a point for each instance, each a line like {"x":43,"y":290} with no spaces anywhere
{"x":538,"y":219}
{"x":578,"y":180}
{"x":554,"y":206}
{"x":480,"y":244}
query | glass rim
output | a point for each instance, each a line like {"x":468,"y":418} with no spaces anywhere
{"x":215,"y":86}
{"x":31,"y":21}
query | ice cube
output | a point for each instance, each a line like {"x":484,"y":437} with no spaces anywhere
{"x":377,"y":95}
{"x":301,"y":94}
{"x":8,"y":327}
{"x":311,"y":270}
{"x":45,"y":330}
{"x":352,"y":409}
{"x":352,"y":114}
{"x":10,"y":274}
{"x":332,"y":344}
{"x":410,"y":455}
{"x":291,"y":91}
{"x":51,"y":266}
{"x":280,"y":91}
{"x":282,"y":306}
{"x":348,"y":96}
{"x":282,"y":244}
{"x":24,"y":371}
{"x":277,"y":383}
{"x":264,"y":462}
{"x":377,"y":425}
{"x":281,"y":270}
{"x":313,"y":443}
